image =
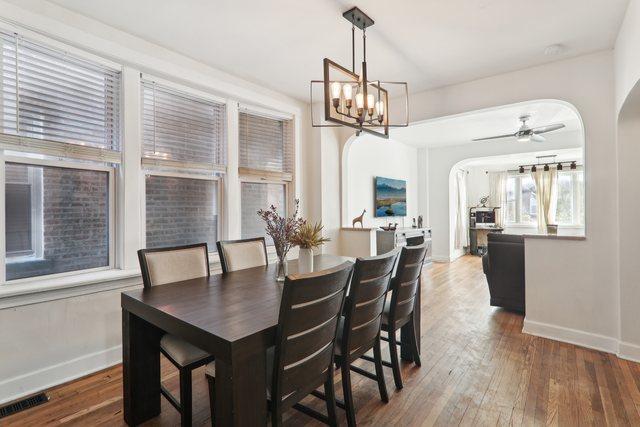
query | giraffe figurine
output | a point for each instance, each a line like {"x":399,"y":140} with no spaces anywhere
{"x":358,"y":219}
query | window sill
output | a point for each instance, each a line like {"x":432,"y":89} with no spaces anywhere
{"x":43,"y":290}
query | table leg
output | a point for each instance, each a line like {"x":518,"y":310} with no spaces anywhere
{"x":140,"y":369}
{"x":405,"y":331}
{"x":241,"y":397}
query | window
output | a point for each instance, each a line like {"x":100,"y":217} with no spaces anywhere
{"x":522,"y":207}
{"x":65,"y":227}
{"x":50,"y":95}
{"x":181,"y":211}
{"x":265,"y":167}
{"x":183,"y":148}
{"x":256,"y":196}
{"x":521,"y":202}
{"x":570,"y":207}
{"x":60,"y":147}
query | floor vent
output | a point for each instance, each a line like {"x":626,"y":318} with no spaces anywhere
{"x":23,"y":404}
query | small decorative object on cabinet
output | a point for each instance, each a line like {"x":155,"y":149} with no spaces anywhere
{"x":552,"y":229}
{"x":282,"y":230}
{"x":483,"y":201}
{"x":419,"y":221}
{"x":358,"y":219}
{"x":307,"y":238}
{"x":414,"y":224}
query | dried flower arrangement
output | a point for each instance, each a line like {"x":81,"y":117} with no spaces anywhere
{"x":310,"y":236}
{"x":282,"y":229}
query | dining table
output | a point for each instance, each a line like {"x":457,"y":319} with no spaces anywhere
{"x":233,"y":316}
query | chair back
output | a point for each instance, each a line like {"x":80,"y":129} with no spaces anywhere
{"x":365,"y":303}
{"x":241,"y":254}
{"x":309,"y":312}
{"x":173,"y":264}
{"x":404,"y":285}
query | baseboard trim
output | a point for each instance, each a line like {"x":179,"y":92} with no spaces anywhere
{"x":629,"y":351}
{"x":571,"y":336}
{"x":42,"y":379}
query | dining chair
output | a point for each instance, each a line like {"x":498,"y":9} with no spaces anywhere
{"x":174,"y":264}
{"x":359,"y":329}
{"x":302,"y":358}
{"x":399,"y":311}
{"x":241,"y":254}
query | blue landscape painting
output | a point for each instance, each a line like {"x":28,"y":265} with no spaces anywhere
{"x":391,"y":197}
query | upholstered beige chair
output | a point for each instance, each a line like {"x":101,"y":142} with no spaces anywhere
{"x":241,"y":254}
{"x":167,"y":265}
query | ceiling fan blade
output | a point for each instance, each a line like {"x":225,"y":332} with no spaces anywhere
{"x":549,"y":128}
{"x":537,"y":138}
{"x":511,"y":135}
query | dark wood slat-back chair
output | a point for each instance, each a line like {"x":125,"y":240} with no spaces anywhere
{"x":359,"y":331}
{"x":302,"y":359}
{"x":399,"y":310}
{"x":174,"y":264}
{"x":243,"y":253}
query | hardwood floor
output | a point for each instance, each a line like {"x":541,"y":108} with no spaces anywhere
{"x":477,"y":369}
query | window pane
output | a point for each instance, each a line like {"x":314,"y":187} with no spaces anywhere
{"x":579,"y":197}
{"x":177,"y":126}
{"x":256,"y":196}
{"x":529,"y":207}
{"x":564,"y":211}
{"x":48,"y":94}
{"x":181,"y":211}
{"x":265,"y":143}
{"x":511,"y":200}
{"x":57,"y":220}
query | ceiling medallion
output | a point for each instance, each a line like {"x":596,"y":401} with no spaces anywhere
{"x":351,"y":99}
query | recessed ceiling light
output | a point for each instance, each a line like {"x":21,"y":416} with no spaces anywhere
{"x":554,"y":49}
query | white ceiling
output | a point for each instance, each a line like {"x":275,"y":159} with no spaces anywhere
{"x":461,"y":129}
{"x":429,"y":43}
{"x":512,"y":161}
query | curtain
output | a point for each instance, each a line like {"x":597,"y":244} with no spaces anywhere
{"x":498,"y":195}
{"x":461,"y":225}
{"x":546,"y":197}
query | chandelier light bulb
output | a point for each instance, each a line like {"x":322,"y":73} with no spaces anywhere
{"x":370,"y":101}
{"x":335,"y":90}
{"x":347,"y":91}
{"x":359,"y":100}
{"x":380,"y":108}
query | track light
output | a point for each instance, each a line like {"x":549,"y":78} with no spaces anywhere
{"x":546,"y":168}
{"x":573,"y":165}
{"x":521,"y":170}
{"x":534,"y":168}
{"x":559,"y":166}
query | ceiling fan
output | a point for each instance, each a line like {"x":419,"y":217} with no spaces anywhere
{"x":526,"y":133}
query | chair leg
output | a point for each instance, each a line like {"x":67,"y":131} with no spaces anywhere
{"x":377,"y":355}
{"x":212,"y":398}
{"x":348,"y":398}
{"x":185,"y":397}
{"x":395,"y":362}
{"x":276,"y":417}
{"x":414,"y":345}
{"x":330,"y":397}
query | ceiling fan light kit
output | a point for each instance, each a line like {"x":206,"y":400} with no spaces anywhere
{"x":350,"y":99}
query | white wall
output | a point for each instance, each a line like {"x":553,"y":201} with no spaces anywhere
{"x":572,"y":286}
{"x":48,"y":342}
{"x":369,"y":157}
{"x":627,"y":68}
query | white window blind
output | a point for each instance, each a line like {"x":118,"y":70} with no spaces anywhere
{"x":182,"y":130}
{"x":266,"y":144}
{"x":56,"y":103}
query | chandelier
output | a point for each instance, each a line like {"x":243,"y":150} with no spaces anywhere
{"x":350,"y":99}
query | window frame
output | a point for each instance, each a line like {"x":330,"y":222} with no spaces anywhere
{"x":37,"y":228}
{"x":259,"y":176}
{"x":66,"y":164}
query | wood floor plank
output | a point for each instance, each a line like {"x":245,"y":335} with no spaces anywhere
{"x":478,"y":368}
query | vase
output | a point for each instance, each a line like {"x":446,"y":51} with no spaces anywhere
{"x":305,"y":260}
{"x":281,"y":269}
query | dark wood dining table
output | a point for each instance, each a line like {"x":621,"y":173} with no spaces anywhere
{"x":233,"y":316}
